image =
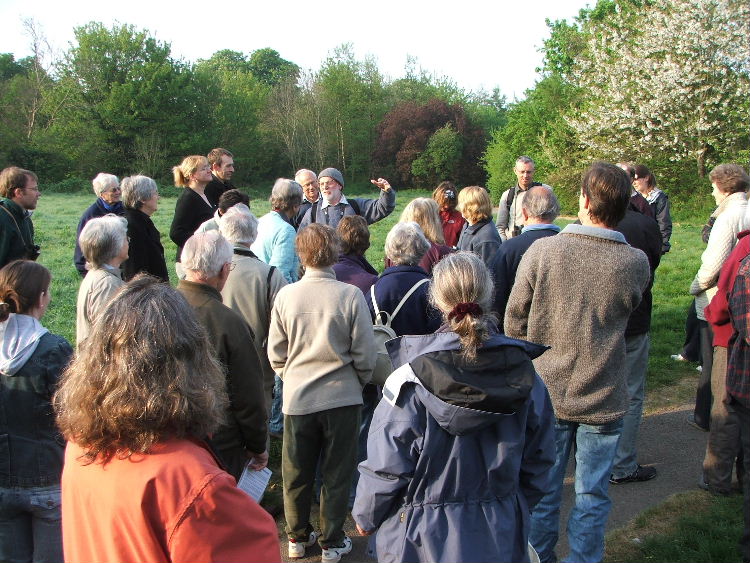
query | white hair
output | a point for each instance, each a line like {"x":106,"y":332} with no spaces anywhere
{"x":238,"y":225}
{"x":406,"y":244}
{"x":137,"y":189}
{"x":206,"y":253}
{"x":104,"y":182}
{"x":102,"y":238}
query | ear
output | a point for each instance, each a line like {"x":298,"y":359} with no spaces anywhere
{"x":525,"y":214}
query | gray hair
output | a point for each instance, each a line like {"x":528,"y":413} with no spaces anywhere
{"x":238,"y":225}
{"x":540,"y":202}
{"x":525,"y":160}
{"x":102,"y":239}
{"x":406,"y":244}
{"x":137,"y":189}
{"x":304,"y":171}
{"x":104,"y":182}
{"x":206,"y":253}
{"x":285,"y":194}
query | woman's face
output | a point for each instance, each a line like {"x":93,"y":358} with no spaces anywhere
{"x":719,"y":196}
{"x":112,"y":195}
{"x":149,"y":206}
{"x":202,"y":175}
{"x":641,"y":185}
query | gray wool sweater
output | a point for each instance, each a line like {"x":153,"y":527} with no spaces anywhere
{"x":574,"y":292}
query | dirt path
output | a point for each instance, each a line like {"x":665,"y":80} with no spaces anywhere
{"x":666,"y":441}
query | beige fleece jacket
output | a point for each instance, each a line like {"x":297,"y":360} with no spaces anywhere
{"x":321,"y":343}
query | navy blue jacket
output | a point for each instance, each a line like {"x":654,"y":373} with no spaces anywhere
{"x":481,"y":238}
{"x":416,"y":316}
{"x":505,"y":264}
{"x":96,"y":209}
{"x":458,"y":453}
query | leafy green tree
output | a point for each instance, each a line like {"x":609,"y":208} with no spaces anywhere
{"x":268,"y":67}
{"x":124,"y":90}
{"x":440,"y":159}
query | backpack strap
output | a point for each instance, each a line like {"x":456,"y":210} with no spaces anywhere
{"x":408,"y":294}
{"x":510,"y":198}
{"x":355,"y":206}
{"x":390,"y":316}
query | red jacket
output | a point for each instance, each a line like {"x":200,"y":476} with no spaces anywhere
{"x":452,"y":222}
{"x":173,"y":504}
{"x":717,"y":312}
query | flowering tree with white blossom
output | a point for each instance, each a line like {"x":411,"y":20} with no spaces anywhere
{"x":669,"y":80}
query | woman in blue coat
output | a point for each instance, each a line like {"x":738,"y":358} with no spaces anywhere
{"x":460,"y":448}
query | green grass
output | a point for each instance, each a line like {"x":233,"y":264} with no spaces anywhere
{"x":688,"y":527}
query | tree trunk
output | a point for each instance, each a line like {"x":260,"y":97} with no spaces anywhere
{"x":702,"y":160}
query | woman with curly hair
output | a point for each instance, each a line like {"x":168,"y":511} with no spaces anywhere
{"x":139,"y":483}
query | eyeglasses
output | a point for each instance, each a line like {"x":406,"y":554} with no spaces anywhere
{"x":231,"y":265}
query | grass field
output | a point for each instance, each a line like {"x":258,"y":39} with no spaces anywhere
{"x":669,"y":383}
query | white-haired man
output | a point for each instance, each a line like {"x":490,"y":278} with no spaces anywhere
{"x":310,"y":193}
{"x":207,"y":259}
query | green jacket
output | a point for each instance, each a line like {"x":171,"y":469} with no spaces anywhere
{"x":16,"y":233}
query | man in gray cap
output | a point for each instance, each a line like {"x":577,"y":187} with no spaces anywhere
{"x":333,"y":206}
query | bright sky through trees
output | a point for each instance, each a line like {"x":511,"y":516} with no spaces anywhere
{"x":477,"y":43}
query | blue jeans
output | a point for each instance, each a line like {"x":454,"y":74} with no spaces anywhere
{"x":636,"y":364}
{"x":276,"y":422}
{"x":30,"y":524}
{"x":594,"y":447}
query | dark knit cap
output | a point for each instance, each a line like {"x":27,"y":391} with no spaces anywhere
{"x":332,"y":173}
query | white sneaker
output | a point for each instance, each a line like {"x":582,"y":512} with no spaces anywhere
{"x":678,"y":358}
{"x":333,"y":554}
{"x":297,"y":548}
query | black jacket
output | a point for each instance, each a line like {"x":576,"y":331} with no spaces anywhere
{"x":190,"y":212}
{"x":642,"y":232}
{"x":146,"y":252}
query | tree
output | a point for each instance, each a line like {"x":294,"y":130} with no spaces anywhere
{"x":679,"y":85}
{"x":268,"y":67}
{"x":440,"y":159}
{"x":125,"y":91}
{"x":406,"y":130}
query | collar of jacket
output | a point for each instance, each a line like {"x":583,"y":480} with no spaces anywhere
{"x":403,"y":268}
{"x":16,"y":209}
{"x":477,"y":226}
{"x":404,"y":349}
{"x":197,"y":289}
{"x":360,"y":261}
{"x":319,"y":273}
{"x":598,"y":232}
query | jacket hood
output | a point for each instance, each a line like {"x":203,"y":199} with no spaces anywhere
{"x":463,"y":397}
{"x":20,"y":336}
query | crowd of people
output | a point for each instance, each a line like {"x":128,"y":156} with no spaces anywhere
{"x":515,"y":343}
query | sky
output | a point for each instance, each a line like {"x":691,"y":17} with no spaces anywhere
{"x":479,"y":44}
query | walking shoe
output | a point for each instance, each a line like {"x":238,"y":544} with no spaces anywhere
{"x":333,"y":554}
{"x":678,"y":358}
{"x":640,"y":474}
{"x":297,"y":548}
{"x":691,"y":421}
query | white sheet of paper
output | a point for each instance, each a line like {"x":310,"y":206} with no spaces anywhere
{"x":254,"y":483}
